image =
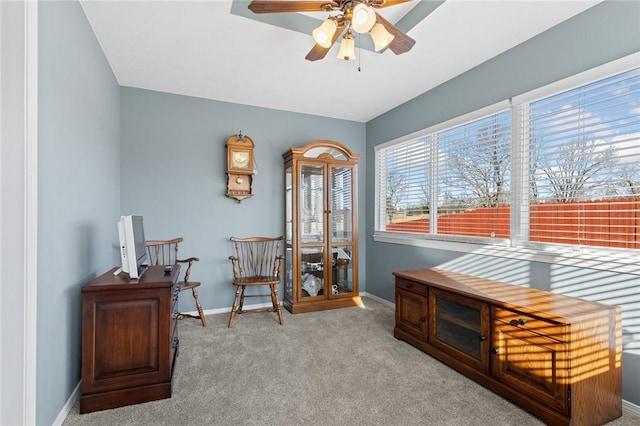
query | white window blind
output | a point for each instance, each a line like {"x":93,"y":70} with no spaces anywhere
{"x":403,"y":181}
{"x":556,"y":172}
{"x":584,"y":165}
{"x":466,"y":194}
{"x":474,"y":178}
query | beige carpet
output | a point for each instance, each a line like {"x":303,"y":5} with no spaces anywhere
{"x":339,"y":367}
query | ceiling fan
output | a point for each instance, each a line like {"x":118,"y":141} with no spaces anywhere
{"x":357,"y":15}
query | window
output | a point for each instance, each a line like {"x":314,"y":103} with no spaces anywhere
{"x":473,"y":178}
{"x":403,"y":182}
{"x":562,"y":170}
{"x":450,"y":182}
{"x":584,"y":164}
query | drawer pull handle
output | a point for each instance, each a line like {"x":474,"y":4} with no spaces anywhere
{"x":409,"y":285}
{"x":482,"y":338}
{"x":423,"y":319}
{"x":495,"y":351}
{"x":520,"y":321}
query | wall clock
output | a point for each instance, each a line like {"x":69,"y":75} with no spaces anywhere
{"x":240,"y":167}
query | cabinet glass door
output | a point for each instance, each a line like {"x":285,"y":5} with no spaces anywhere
{"x":341,"y":229}
{"x":288,"y":244}
{"x":312,"y":231}
{"x":461,"y":325}
{"x":313,"y":272}
{"x":312,"y":209}
{"x":342,"y":271}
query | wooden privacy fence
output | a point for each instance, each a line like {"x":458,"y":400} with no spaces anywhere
{"x":603,"y":223}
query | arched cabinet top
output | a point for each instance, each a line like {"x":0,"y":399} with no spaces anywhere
{"x":324,"y":150}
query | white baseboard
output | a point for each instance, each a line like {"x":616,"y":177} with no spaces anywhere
{"x":630,"y":408}
{"x":67,"y":406}
{"x":268,"y":304}
{"x":379,"y":299}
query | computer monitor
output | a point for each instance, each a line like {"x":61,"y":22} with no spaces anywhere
{"x":133,"y":251}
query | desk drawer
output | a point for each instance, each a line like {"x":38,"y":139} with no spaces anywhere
{"x":411,"y":286}
{"x":527,"y":322}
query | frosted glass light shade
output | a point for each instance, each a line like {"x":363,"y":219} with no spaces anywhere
{"x":363,"y":18}
{"x":347,"y":48}
{"x":381,"y":37}
{"x":323,"y":35}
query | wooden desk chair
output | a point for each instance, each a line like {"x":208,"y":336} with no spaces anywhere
{"x":256,"y":263}
{"x":165,"y":252}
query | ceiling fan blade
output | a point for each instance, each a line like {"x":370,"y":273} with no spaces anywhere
{"x":387,"y":3}
{"x":266,"y":6}
{"x":319,"y":52}
{"x":401,"y":43}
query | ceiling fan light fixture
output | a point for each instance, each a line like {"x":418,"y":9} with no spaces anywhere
{"x":347,"y":48}
{"x":363,"y":18}
{"x":381,"y":37}
{"x":323,"y":35}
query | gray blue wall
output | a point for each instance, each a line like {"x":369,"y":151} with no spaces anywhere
{"x":78,"y":187}
{"x":106,"y":151}
{"x":173,"y":173}
{"x":606,"y":32}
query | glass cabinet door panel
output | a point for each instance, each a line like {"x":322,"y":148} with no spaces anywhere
{"x":316,"y":152}
{"x":341,"y":204}
{"x":342,"y":277}
{"x":311,"y":203}
{"x":288,"y":276}
{"x":288,"y":194}
{"x":288,"y":177}
{"x":462,"y":325}
{"x":459,"y":326}
{"x":312,"y":272}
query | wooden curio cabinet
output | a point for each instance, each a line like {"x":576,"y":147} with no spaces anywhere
{"x":321,"y":222}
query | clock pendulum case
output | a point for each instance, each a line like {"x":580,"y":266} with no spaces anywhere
{"x":240,"y":167}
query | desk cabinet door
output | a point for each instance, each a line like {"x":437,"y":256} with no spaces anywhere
{"x":125,"y":339}
{"x":460,"y":326}
{"x":411,"y":313}
{"x":532,"y":363}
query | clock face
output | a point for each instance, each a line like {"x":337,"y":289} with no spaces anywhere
{"x":240,"y":159}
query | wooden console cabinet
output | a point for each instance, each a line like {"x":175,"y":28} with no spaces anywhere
{"x":129,"y":338}
{"x":557,"y":357}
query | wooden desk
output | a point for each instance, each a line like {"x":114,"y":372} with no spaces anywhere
{"x":129,"y":338}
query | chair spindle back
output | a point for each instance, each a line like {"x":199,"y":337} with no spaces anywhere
{"x":163,"y":252}
{"x":257,"y":257}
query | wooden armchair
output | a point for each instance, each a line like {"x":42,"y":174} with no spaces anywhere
{"x":165,"y":252}
{"x":256,"y":263}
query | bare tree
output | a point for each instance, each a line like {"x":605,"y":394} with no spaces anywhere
{"x":482,"y":170}
{"x":395,"y":192}
{"x":573,"y":173}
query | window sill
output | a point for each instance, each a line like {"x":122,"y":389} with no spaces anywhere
{"x":619,"y":261}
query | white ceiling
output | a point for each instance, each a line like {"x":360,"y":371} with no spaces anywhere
{"x":203,"y":49}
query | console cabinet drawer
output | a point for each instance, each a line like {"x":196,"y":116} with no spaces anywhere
{"x":532,"y":324}
{"x":411,"y":286}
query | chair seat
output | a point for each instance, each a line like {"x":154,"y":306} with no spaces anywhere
{"x":256,"y":281}
{"x":165,"y":252}
{"x":189,"y":285}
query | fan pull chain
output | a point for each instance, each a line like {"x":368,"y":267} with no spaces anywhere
{"x":359,"y":51}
